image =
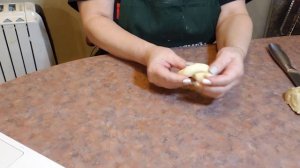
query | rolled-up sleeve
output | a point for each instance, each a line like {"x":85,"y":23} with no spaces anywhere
{"x":73,"y":4}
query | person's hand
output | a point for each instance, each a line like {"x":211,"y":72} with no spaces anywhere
{"x":160,"y":61}
{"x":228,"y":68}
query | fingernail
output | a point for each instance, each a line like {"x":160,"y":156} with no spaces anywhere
{"x":206,"y":82}
{"x":187,"y":81}
{"x":189,"y":63}
{"x":213,"y":70}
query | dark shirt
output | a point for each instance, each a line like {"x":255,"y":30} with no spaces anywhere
{"x":198,"y":33}
{"x":73,"y":3}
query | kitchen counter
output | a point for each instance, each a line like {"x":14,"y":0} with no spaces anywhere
{"x":102,"y":112}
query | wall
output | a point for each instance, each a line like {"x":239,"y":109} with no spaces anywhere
{"x":69,"y":40}
{"x":259,"y":10}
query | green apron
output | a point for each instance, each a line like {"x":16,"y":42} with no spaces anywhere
{"x":171,"y":23}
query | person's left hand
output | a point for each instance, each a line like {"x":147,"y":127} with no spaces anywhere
{"x":228,"y":68}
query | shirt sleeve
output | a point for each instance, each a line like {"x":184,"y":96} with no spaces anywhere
{"x":73,"y":3}
{"x":222,"y":2}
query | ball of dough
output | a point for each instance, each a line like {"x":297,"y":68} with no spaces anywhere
{"x":189,"y":71}
{"x":197,"y":72}
{"x":201,"y":75}
{"x":292,"y":98}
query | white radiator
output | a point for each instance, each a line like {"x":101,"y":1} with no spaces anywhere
{"x":24,"y":42}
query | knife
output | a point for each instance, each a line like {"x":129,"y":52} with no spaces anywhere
{"x":284,"y":62}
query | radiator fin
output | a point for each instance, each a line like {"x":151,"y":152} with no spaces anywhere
{"x":36,"y":31}
{"x":2,"y":77}
{"x":25,"y":47}
{"x":14,"y":50}
{"x":5,"y":59}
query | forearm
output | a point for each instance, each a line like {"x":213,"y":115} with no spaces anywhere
{"x":235,"y":31}
{"x":106,"y":34}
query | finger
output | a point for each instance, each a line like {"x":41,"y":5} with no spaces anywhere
{"x":189,"y":63}
{"x":216,"y":92}
{"x":219,"y":64}
{"x":231,"y":73}
{"x":171,"y":80}
{"x":177,"y":62}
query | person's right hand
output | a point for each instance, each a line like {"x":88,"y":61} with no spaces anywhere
{"x":160,"y":61}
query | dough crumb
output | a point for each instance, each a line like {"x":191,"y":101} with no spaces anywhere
{"x":292,"y":98}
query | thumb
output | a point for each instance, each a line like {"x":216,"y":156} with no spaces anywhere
{"x":178,"y":62}
{"x":219,"y":64}
{"x":171,"y":79}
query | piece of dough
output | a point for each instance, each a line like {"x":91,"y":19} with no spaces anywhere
{"x":201,"y":75}
{"x":189,"y":71}
{"x":292,"y":98}
{"x":197,"y":72}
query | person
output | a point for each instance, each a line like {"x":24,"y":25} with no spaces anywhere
{"x":147,"y":29}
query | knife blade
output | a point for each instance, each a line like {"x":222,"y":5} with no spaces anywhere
{"x":284,"y":62}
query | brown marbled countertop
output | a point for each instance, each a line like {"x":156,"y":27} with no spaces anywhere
{"x":102,"y":112}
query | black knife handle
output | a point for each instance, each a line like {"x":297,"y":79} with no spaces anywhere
{"x":280,"y":57}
